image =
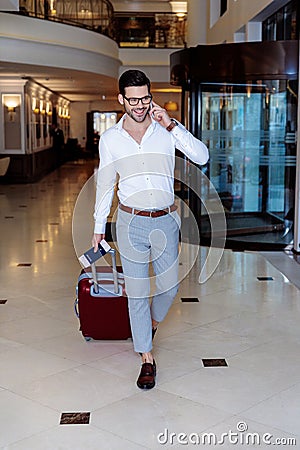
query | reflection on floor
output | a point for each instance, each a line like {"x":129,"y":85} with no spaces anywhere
{"x":230,"y":361}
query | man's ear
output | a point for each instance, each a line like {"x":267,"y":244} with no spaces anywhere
{"x":120,"y":99}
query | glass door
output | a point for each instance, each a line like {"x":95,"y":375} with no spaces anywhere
{"x":231,"y":130}
{"x":249,"y":129}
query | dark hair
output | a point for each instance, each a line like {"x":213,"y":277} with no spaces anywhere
{"x":133,"y":78}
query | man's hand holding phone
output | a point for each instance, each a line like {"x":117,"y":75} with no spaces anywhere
{"x":159,"y":114}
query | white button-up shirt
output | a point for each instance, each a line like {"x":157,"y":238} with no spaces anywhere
{"x":145,"y":171}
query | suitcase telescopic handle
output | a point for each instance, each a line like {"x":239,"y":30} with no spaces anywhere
{"x":114,"y":269}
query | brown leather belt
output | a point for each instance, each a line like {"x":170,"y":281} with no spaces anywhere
{"x":145,"y":213}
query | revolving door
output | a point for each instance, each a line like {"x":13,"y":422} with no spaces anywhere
{"x":246,"y":115}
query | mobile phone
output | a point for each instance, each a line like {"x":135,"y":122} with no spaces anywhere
{"x":151,"y":106}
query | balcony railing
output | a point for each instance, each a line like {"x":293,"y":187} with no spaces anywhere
{"x":153,"y":30}
{"x":96,"y":15}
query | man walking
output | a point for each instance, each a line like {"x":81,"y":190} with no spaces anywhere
{"x":140,"y":150}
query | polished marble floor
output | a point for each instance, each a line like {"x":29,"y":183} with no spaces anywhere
{"x":50,"y":377}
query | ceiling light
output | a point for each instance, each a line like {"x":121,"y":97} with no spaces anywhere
{"x":171,"y":106}
{"x":179,"y":8}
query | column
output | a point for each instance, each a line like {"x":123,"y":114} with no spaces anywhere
{"x":196,"y":22}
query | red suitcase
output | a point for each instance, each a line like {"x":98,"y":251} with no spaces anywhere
{"x":101,"y":306}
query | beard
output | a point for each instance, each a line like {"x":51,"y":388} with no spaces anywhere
{"x":138,"y":114}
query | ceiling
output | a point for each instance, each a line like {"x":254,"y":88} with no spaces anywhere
{"x":71,"y":84}
{"x":74,"y":85}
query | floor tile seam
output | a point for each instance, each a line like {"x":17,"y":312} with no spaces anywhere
{"x":192,"y":327}
{"x":203,"y":404}
{"x":161,"y":345}
{"x":206,"y":324}
{"x":36,"y":315}
{"x":262,"y":375}
{"x":273,"y":427}
{"x":66,"y":357}
{"x":227,"y":290}
{"x":209,"y":326}
{"x":230,"y":316}
{"x":116,"y":401}
{"x":236,"y":308}
{"x":29,"y":437}
{"x":269,"y":341}
{"x":25,"y":397}
{"x":251,"y":336}
{"x":23,"y":317}
{"x":231,"y":416}
{"x":53,"y":315}
{"x":99,"y":428}
{"x":31,"y":343}
{"x":267,"y":316}
{"x":266,"y":400}
{"x":15,"y":345}
{"x":239,"y":418}
{"x":255,"y":346}
{"x":251,"y":347}
{"x":208,"y":294}
{"x":183,"y":352}
{"x":242,"y":371}
{"x":14,"y":387}
{"x":190,"y":372}
{"x":60,"y":411}
{"x":31,"y":347}
{"x":138,"y":394}
{"x":89,"y":363}
{"x":105,"y":371}
{"x":117,"y":435}
{"x":284,"y":271}
{"x":233,"y":309}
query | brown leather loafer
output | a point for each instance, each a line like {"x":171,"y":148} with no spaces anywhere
{"x":146,"y":379}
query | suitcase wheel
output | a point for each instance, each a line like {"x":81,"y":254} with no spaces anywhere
{"x":87,"y":338}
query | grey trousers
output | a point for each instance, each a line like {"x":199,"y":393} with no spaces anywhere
{"x":142,"y":240}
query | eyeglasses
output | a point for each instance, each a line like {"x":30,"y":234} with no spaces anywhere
{"x":134,"y":101}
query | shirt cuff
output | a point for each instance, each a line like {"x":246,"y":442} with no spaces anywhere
{"x":99,"y":228}
{"x":179,"y":131}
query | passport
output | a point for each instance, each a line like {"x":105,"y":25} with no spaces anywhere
{"x":89,"y":257}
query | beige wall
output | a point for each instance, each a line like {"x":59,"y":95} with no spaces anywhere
{"x":237,"y":16}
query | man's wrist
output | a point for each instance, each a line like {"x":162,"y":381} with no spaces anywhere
{"x":171,"y":125}
{"x":99,"y":228}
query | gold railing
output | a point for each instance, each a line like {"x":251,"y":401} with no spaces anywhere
{"x":96,"y":15}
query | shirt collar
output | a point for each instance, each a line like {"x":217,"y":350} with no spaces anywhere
{"x":119,"y":124}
